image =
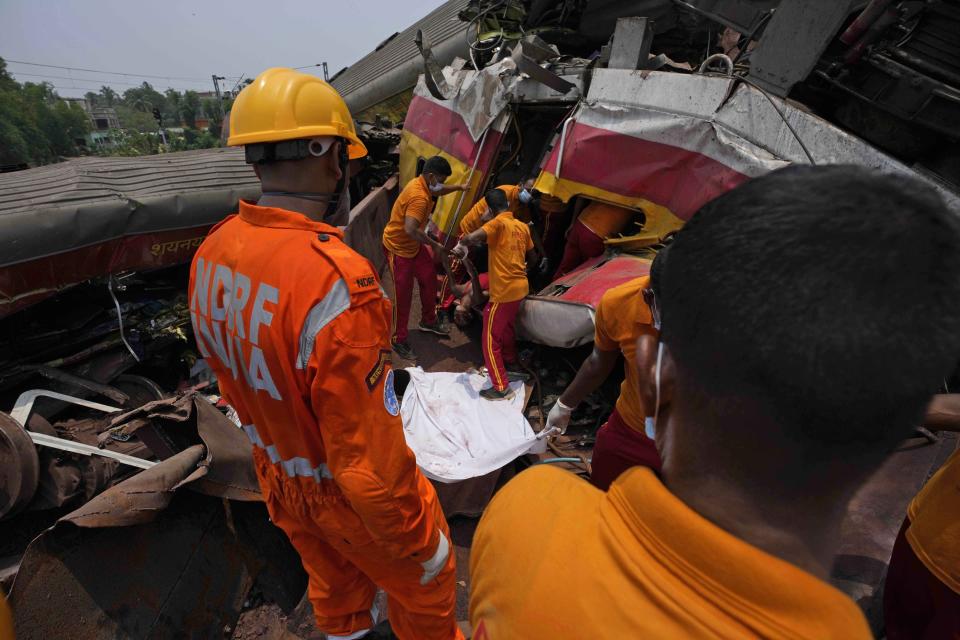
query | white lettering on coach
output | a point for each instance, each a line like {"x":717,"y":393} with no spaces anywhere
{"x":222,"y":333}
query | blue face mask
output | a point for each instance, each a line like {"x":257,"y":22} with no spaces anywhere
{"x":525,"y":196}
{"x":650,"y":422}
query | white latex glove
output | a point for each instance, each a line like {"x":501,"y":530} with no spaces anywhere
{"x":544,"y":265}
{"x":460,"y":250}
{"x":434,"y":565}
{"x":558,"y":419}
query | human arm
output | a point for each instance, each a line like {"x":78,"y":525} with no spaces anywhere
{"x":413,"y":228}
{"x":943,"y":412}
{"x":594,"y":370}
{"x":450,"y":188}
{"x":474,"y":239}
{"x":356,"y":412}
{"x":541,"y":256}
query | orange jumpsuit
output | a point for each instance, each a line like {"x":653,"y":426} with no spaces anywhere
{"x":296,"y":327}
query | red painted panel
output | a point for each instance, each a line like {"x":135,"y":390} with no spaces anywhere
{"x":446,"y":130}
{"x":590,"y":281}
{"x":675,"y":178}
{"x":26,"y":283}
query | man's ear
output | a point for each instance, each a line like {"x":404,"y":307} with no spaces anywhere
{"x":646,"y":358}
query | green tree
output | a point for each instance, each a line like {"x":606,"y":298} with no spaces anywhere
{"x":92,"y":98}
{"x":36,"y":125}
{"x":190,"y":108}
{"x":110,"y":97}
{"x":171,"y":117}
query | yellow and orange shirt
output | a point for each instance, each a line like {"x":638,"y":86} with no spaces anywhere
{"x":556,"y":558}
{"x":509,"y":240}
{"x":471,"y":222}
{"x":414,"y":201}
{"x":622,"y":317}
{"x":605,"y":220}
{"x":934,"y":532}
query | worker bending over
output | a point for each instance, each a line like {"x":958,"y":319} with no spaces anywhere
{"x":597,"y":222}
{"x":510,"y":247}
{"x":921,"y":597}
{"x":788,"y":365}
{"x":296,"y":327}
{"x":623,"y":315}
{"x":406,"y":243}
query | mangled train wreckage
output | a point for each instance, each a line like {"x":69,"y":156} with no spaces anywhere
{"x":654,"y":106}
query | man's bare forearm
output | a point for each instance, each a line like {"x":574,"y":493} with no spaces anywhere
{"x":590,"y":376}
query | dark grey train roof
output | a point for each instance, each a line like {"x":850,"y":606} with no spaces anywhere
{"x":83,"y":201}
{"x":439,"y":25}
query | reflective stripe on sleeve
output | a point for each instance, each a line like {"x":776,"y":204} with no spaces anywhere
{"x":323,"y":313}
{"x":293,"y":467}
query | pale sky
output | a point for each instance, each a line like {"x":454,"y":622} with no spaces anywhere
{"x":190,"y":39}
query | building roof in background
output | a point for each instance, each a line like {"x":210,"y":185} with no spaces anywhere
{"x":439,"y":25}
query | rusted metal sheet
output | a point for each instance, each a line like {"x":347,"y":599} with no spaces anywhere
{"x":367,"y":221}
{"x":20,"y":471}
{"x":148,"y":558}
{"x":172,"y":425}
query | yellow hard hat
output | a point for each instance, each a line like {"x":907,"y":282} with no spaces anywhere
{"x":283,"y":104}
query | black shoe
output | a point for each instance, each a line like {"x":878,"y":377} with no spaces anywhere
{"x":437,"y":327}
{"x":517,"y":375}
{"x":404,"y":350}
{"x":491,"y":393}
{"x":382,"y":631}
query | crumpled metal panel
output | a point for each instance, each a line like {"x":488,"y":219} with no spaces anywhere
{"x":146,"y":559}
{"x":562,"y":314}
{"x":744,"y":131}
{"x":173,"y":424}
{"x":364,"y":233}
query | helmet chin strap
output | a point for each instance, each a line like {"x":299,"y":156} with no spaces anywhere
{"x":331,"y":198}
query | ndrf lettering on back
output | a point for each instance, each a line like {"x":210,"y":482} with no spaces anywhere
{"x":217,"y":305}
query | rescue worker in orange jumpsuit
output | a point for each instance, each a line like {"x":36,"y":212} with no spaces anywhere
{"x":405,"y":243}
{"x":296,"y":327}
{"x":510,"y":249}
{"x":623,"y":315}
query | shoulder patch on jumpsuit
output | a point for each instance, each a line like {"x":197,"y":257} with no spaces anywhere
{"x":355,"y":286}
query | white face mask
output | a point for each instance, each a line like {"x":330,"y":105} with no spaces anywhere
{"x":525,"y":196}
{"x":436,"y":187}
{"x":650,"y":423}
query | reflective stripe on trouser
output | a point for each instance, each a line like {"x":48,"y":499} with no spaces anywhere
{"x":404,"y":271}
{"x":345,"y":564}
{"x":499,"y":345}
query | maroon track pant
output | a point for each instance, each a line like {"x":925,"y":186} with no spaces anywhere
{"x":404,"y":271}
{"x":499,"y":343}
{"x":916,"y":605}
{"x":582,"y":244}
{"x":619,"y":447}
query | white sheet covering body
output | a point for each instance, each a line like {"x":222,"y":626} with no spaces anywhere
{"x":455,"y":433}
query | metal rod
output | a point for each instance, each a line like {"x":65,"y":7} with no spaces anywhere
{"x":43,"y":440}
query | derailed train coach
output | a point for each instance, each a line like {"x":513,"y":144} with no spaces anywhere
{"x":869,"y":84}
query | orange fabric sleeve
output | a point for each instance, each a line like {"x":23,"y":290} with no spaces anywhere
{"x":362,"y":433}
{"x":418,"y":208}
{"x":601,"y":338}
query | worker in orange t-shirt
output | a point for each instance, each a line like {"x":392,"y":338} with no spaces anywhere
{"x":597,"y":222}
{"x":510,"y":247}
{"x":784,"y":373}
{"x":296,"y":327}
{"x":622,"y":317}
{"x":921,"y":597}
{"x":405,"y":243}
